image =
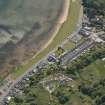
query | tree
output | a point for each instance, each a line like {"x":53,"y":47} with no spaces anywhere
{"x":18,"y":100}
{"x":97,"y":4}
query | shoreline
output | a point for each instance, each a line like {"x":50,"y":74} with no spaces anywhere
{"x":60,"y":21}
{"x":67,"y":28}
{"x":55,"y":29}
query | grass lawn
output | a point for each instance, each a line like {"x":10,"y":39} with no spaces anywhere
{"x":67,"y":28}
{"x":58,"y":52}
{"x":77,"y":98}
{"x":94,"y":72}
{"x":82,"y":40}
{"x":69,"y":45}
{"x":43,"y":97}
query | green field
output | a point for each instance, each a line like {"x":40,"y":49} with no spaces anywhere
{"x":94,"y":72}
{"x":42,"y":95}
{"x":67,"y":28}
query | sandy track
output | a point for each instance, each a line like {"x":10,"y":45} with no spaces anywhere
{"x":65,"y":11}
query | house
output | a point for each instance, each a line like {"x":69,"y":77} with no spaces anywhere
{"x":87,"y":28}
{"x":51,"y":58}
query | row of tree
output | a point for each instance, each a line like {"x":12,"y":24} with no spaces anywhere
{"x":97,"y":4}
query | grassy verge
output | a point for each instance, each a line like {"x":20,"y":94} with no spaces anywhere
{"x":69,"y":45}
{"x":67,"y":28}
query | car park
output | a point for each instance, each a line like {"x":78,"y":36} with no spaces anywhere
{"x":51,"y":58}
{"x":87,"y":28}
{"x":84,"y":32}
